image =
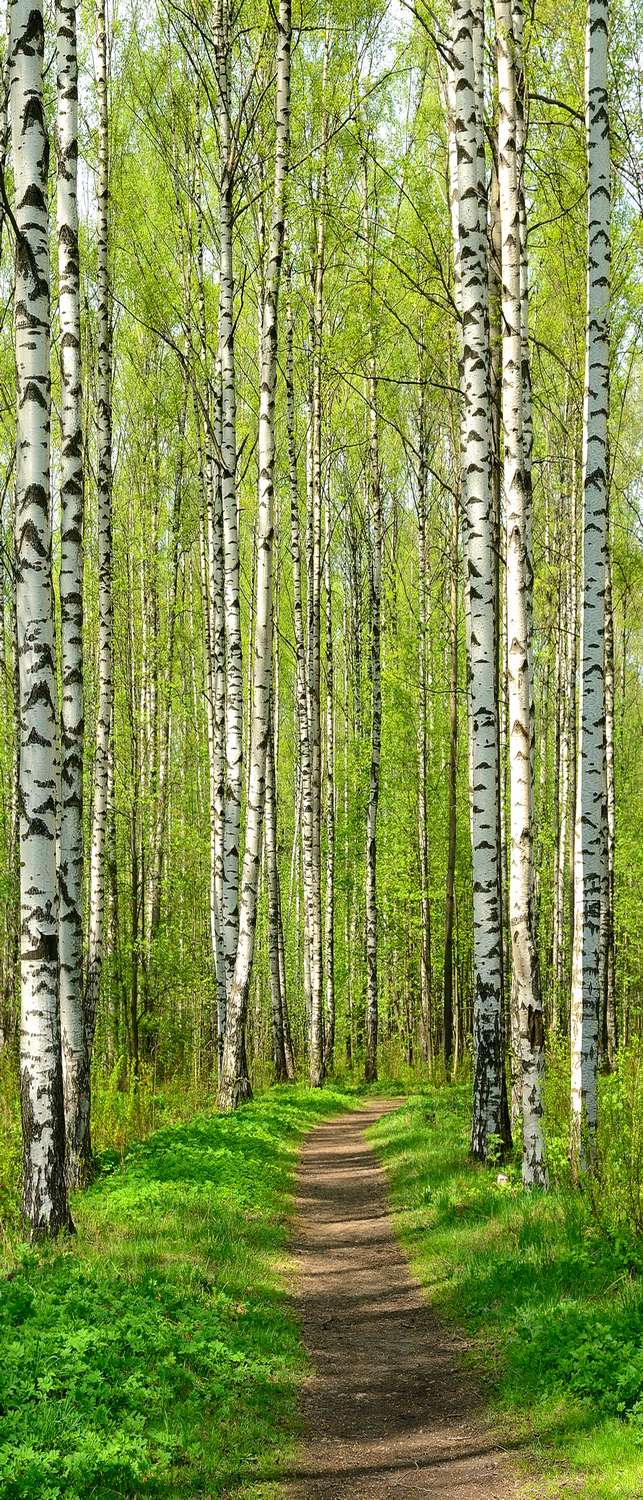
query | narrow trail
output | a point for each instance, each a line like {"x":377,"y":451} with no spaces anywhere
{"x":387,"y":1409}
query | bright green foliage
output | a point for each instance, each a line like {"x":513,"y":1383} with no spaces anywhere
{"x":125,"y":1110}
{"x":551,"y":1294}
{"x":155,"y":1354}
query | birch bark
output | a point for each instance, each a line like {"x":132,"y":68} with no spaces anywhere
{"x":301,"y":684}
{"x":160,"y":820}
{"x":591,"y":730}
{"x":611,"y":1026}
{"x":105,"y":602}
{"x":375,"y":499}
{"x":233,"y":658}
{"x":329,"y":929}
{"x":526,"y":1002}
{"x":316,"y":1041}
{"x":272,"y":874}
{"x":44,"y":1200}
{"x":449,"y":903}
{"x":490,"y":1116}
{"x":426,"y":1035}
{"x":234,"y":1084}
{"x":76,"y":1083}
{"x":213,"y":569}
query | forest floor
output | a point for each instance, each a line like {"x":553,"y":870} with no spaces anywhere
{"x":389,"y":1407}
{"x":156,"y":1353}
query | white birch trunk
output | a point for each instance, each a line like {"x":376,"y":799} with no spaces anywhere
{"x":233,"y":658}
{"x":525,"y":1002}
{"x":76,"y":1083}
{"x":489,"y":1103}
{"x":329,"y":931}
{"x":216,"y":570}
{"x":561,"y":850}
{"x":5,"y":89}
{"x":157,"y":859}
{"x":426,"y":1038}
{"x":234,"y":1085}
{"x":44,"y":1202}
{"x":611,"y":1026}
{"x":105,"y":604}
{"x":301,"y":688}
{"x":375,"y":499}
{"x":316,"y":1040}
{"x":272,"y":879}
{"x":214,"y":619}
{"x":591,"y":730}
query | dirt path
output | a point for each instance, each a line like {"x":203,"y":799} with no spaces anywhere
{"x":387,"y":1410}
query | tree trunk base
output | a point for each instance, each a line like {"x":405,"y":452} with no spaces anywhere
{"x":80,"y":1171}
{"x":36,"y":1234}
{"x":233,"y":1092}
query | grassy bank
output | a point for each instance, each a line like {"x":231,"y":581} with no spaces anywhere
{"x":548,"y":1288}
{"x":153,"y":1353}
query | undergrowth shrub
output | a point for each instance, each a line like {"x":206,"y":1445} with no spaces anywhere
{"x":10,"y":1148}
{"x":612,"y":1193}
{"x":615,"y":1188}
{"x":125,"y":1109}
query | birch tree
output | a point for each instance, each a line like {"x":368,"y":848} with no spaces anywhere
{"x":44,"y":1201}
{"x":611,"y":1027}
{"x":71,"y":852}
{"x":234,"y":1084}
{"x":105,"y":601}
{"x":375,"y":594}
{"x":230,"y":522}
{"x":302,"y":715}
{"x":588,"y":843}
{"x":490,"y":1119}
{"x":526,"y":1003}
{"x":423,"y":810}
{"x":274,"y":915}
{"x":314,"y":549}
{"x":329,"y":929}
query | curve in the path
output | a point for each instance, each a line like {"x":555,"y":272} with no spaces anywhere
{"x":387,"y":1410}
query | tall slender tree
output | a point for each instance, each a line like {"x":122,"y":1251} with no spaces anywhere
{"x":375,"y":596}
{"x":375,"y":529}
{"x":105,"y":598}
{"x":490,"y":1114}
{"x":71,"y":852}
{"x":589,"y":843}
{"x":426,"y":1033}
{"x":314,"y":551}
{"x":44,"y":1202}
{"x":230,"y":520}
{"x":526,"y":1002}
{"x":329,"y":927}
{"x":234,"y":1085}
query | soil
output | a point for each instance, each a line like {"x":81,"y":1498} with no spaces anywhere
{"x":388,"y":1409}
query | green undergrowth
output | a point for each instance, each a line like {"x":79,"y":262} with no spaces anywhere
{"x":154,"y":1353}
{"x":125,"y":1110}
{"x":547,"y":1286}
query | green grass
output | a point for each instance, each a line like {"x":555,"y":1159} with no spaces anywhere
{"x":154,"y":1353}
{"x":553,"y":1304}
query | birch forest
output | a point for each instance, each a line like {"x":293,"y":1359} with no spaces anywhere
{"x":320,"y":670}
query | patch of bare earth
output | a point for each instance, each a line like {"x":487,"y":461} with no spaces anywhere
{"x":388,"y":1408}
